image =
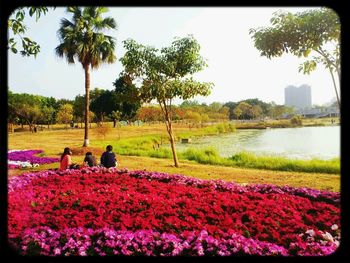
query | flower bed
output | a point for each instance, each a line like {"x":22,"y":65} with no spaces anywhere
{"x":26,"y":159}
{"x":96,"y":211}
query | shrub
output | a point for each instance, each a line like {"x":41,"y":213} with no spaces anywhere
{"x":102,"y":130}
{"x":296,"y":120}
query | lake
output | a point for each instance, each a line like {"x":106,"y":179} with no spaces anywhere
{"x":295,"y":143}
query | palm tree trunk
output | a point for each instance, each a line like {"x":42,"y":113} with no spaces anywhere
{"x":87,"y":102}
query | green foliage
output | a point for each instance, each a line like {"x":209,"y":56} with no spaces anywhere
{"x":205,"y":156}
{"x":277,"y":111}
{"x":65,"y":113}
{"x":165,"y":74}
{"x":79,"y":107}
{"x":25,"y":108}
{"x":82,"y":38}
{"x":296,"y":120}
{"x":17,"y":28}
{"x":128,"y":98}
{"x":250,"y":160}
{"x":104,"y":104}
{"x":300,"y":34}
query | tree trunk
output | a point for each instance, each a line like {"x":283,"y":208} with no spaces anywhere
{"x":335,"y":87}
{"x":87,"y":102}
{"x":173,"y":148}
{"x":11,"y":128}
{"x":171,"y":136}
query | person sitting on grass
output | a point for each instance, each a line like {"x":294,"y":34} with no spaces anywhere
{"x":66,"y":160}
{"x":108,"y":158}
{"x":89,"y":160}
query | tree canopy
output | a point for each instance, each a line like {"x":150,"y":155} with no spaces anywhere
{"x":313,"y":32}
{"x":165,"y":74}
{"x":82,"y":39}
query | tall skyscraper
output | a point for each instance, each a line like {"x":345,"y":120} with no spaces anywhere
{"x":299,"y":97}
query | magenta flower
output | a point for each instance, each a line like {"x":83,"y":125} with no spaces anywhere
{"x":95,"y":211}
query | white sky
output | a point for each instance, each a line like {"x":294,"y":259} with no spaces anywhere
{"x":234,"y":64}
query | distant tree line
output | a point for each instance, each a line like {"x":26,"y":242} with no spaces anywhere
{"x":106,"y":105}
{"x":123,"y":103}
{"x":195,"y":112}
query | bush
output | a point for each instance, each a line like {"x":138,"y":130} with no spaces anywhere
{"x":102,"y":130}
{"x":296,"y":120}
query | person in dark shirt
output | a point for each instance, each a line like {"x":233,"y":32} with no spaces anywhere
{"x":108,"y":158}
{"x":89,"y":159}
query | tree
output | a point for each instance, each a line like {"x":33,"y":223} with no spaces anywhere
{"x":237,"y":112}
{"x":115,"y":116}
{"x":65,"y":114}
{"x":165,"y":75}
{"x":276,"y":111}
{"x":300,"y":34}
{"x":215,"y":106}
{"x":128,"y":98}
{"x":189,"y":103}
{"x":47,"y":115}
{"x":82,"y":39}
{"x":25,"y":107}
{"x":194,"y":117}
{"x":231,"y":105}
{"x":256,"y":111}
{"x":148,"y":114}
{"x":18,"y":28}
{"x":244,"y":109}
{"x":104,"y":104}
{"x":78,"y":108}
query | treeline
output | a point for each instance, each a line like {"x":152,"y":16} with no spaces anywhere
{"x":195,"y":112}
{"x":123,"y":103}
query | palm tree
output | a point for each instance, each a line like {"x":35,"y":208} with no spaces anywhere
{"x":82,"y":39}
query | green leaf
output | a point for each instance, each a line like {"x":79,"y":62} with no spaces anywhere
{"x":31,"y":11}
{"x":27,"y":39}
{"x":307,"y":52}
{"x":14,"y":50}
{"x":33,"y":204}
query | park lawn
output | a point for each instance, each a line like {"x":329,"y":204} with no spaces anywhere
{"x":54,"y":141}
{"x":319,"y":181}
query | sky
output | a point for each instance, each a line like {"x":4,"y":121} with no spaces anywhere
{"x":234,"y":64}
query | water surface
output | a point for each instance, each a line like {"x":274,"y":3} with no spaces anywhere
{"x":294,"y":143}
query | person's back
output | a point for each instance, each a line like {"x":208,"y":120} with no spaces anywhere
{"x":89,"y":159}
{"x":108,"y":158}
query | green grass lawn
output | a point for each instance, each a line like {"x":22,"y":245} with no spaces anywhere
{"x":141,"y":140}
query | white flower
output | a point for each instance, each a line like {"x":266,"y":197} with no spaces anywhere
{"x":310,"y":232}
{"x":334,"y":227}
{"x":328,"y":236}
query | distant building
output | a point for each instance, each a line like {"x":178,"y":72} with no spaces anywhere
{"x":298,"y":97}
